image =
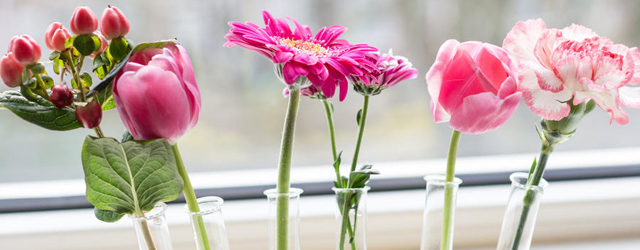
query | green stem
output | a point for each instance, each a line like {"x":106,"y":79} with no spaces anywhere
{"x":329,"y":113}
{"x":146,"y":232}
{"x":75,"y":75}
{"x":190,"y":196}
{"x":447,"y":214}
{"x":363,"y":119}
{"x":284,"y":169}
{"x":98,"y":131}
{"x":534,"y":180}
{"x":41,"y":84}
{"x":346,"y":221}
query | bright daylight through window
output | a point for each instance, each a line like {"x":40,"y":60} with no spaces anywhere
{"x":351,"y":103}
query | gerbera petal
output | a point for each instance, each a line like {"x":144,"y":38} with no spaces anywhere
{"x":282,"y":56}
{"x":289,"y":73}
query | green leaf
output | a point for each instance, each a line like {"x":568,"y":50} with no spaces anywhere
{"x":37,"y":68}
{"x":109,"y":77}
{"x":69,"y":42}
{"x":39,"y":111}
{"x":119,"y":48}
{"x":105,"y":98}
{"x":107,"y":215}
{"x":360,"y":178}
{"x":48,"y":81}
{"x":127,"y":137}
{"x":54,"y":55}
{"x":336,"y":164}
{"x":359,"y":117}
{"x":85,"y":44}
{"x":130,"y":177}
{"x":86,"y":79}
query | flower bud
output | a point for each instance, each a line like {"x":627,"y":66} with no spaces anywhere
{"x":55,"y":37}
{"x":89,"y":115}
{"x":103,"y":46}
{"x":25,"y":49}
{"x":61,"y":96}
{"x":83,"y":21}
{"x":113,"y":23}
{"x":11,"y":71}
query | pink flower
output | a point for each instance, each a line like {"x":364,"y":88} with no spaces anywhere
{"x":11,"y":71}
{"x":25,"y":49}
{"x":573,"y":64}
{"x":473,"y":86}
{"x":83,"y":21}
{"x":157,"y":95}
{"x":114,"y":24}
{"x":388,"y":71}
{"x":323,"y":59}
{"x":55,"y":37}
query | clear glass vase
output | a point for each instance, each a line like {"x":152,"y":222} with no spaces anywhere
{"x":212,"y":222}
{"x":152,"y":230}
{"x":520,"y":214}
{"x":436,"y":220}
{"x":351,"y":211}
{"x":291,"y":224}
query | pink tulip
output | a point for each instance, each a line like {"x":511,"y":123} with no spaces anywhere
{"x":473,"y":86}
{"x":157,"y":95}
{"x":83,"y":21}
{"x":11,"y":71}
{"x":55,"y":37}
{"x":25,"y":49}
{"x":113,"y":23}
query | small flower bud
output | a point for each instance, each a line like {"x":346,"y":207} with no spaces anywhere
{"x":11,"y":71}
{"x":83,"y":21}
{"x":113,"y":23}
{"x":89,"y":115}
{"x":25,"y":49}
{"x":55,"y":37}
{"x":61,"y":96}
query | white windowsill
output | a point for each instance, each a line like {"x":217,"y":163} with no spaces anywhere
{"x":594,"y":213}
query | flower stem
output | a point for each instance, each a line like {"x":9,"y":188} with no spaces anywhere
{"x":534,"y":180}
{"x":146,"y":232}
{"x":329,"y":113}
{"x":363,"y":119}
{"x":447,"y":214}
{"x":284,"y":169}
{"x":190,"y":196}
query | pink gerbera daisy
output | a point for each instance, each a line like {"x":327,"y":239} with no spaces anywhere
{"x":389,"y":70}
{"x":299,"y":57}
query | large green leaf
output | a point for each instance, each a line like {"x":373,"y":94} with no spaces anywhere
{"x":39,"y":111}
{"x":129,"y":177}
{"x":106,"y":82}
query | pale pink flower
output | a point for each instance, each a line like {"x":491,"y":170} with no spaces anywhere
{"x":573,"y":64}
{"x":323,"y":59}
{"x":472,"y":86}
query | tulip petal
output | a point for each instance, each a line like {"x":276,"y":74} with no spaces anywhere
{"x":461,"y":78}
{"x":483,"y":112}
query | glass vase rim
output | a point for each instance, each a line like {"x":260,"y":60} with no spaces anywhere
{"x":365,"y":188}
{"x":204,"y":210}
{"x":157,"y":211}
{"x":439,"y":179}
{"x":519,"y":180}
{"x":273,"y":192}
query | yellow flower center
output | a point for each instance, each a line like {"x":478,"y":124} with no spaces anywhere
{"x":306,"y":46}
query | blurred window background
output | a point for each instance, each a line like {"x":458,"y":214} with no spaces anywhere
{"x":243,"y":107}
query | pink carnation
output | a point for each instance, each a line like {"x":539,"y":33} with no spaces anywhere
{"x":573,"y":64}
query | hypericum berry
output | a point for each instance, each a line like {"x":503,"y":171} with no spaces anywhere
{"x":113,"y":23}
{"x":10,"y":71}
{"x":61,"y":96}
{"x":56,"y":36}
{"x":83,"y":21}
{"x":25,"y":49}
{"x":89,"y":115}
